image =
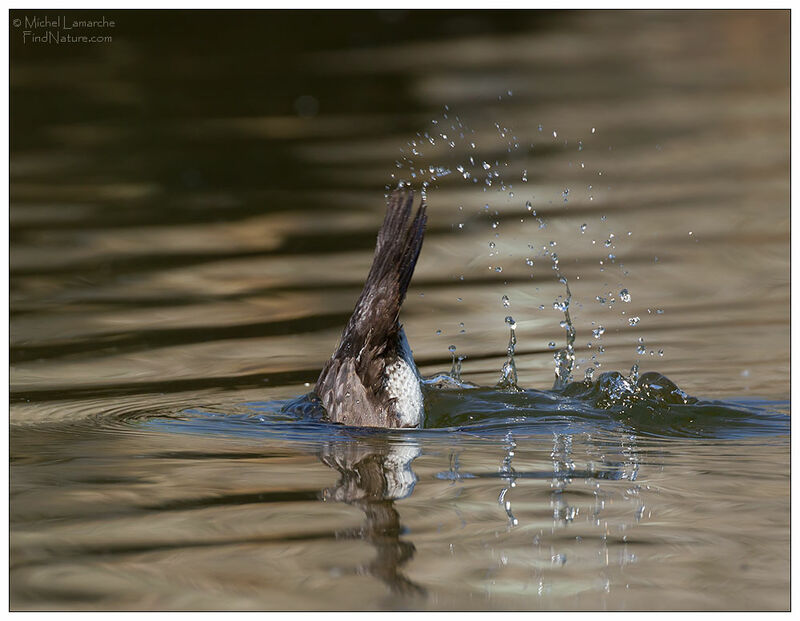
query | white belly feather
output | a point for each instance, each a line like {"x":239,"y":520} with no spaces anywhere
{"x":402,"y":382}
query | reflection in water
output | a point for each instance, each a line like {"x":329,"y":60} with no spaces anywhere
{"x":373,"y":477}
{"x":578,"y":530}
{"x":243,"y":518}
{"x":563,"y":469}
{"x":508,"y":475}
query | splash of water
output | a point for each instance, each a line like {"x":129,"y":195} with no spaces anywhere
{"x":417,"y":166}
{"x":508,"y":374}
{"x":455,"y":370}
{"x":565,"y":357}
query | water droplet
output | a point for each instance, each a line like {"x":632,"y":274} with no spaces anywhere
{"x":492,"y":244}
{"x":624,"y":295}
{"x":506,"y":301}
{"x":598,"y":332}
{"x":583,"y":228}
{"x":593,"y":129}
{"x":452,"y":349}
{"x":498,"y":269}
{"x":632,"y":321}
{"x":438,"y":332}
{"x":641,"y":350}
{"x":551,"y":344}
{"x":511,"y":323}
{"x":529,"y":261}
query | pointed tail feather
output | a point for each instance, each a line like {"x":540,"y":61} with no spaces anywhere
{"x":373,"y":326}
{"x":397,"y":248}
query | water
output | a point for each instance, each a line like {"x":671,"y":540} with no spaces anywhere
{"x":192,"y":218}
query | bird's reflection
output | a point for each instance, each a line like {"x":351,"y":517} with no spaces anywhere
{"x":373,"y":476}
{"x":374,"y":473}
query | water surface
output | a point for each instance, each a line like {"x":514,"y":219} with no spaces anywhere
{"x":193,"y":212}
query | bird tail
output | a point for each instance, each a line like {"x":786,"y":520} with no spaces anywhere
{"x":398,"y":247}
{"x":373,"y":327}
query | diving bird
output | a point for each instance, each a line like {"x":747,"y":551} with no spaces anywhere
{"x":371,"y":379}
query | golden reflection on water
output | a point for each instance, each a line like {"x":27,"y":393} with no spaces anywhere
{"x":578,"y":521}
{"x":184,"y":234}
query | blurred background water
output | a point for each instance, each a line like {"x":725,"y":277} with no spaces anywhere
{"x":194,"y":206}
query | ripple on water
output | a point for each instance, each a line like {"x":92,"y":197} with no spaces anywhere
{"x":650,"y":405}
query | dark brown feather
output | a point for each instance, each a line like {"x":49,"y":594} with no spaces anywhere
{"x":351,"y":382}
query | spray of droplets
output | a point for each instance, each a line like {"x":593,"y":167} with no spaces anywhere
{"x":448,"y":136}
{"x":508,"y":374}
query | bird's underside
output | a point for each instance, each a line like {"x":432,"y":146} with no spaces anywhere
{"x":371,"y":379}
